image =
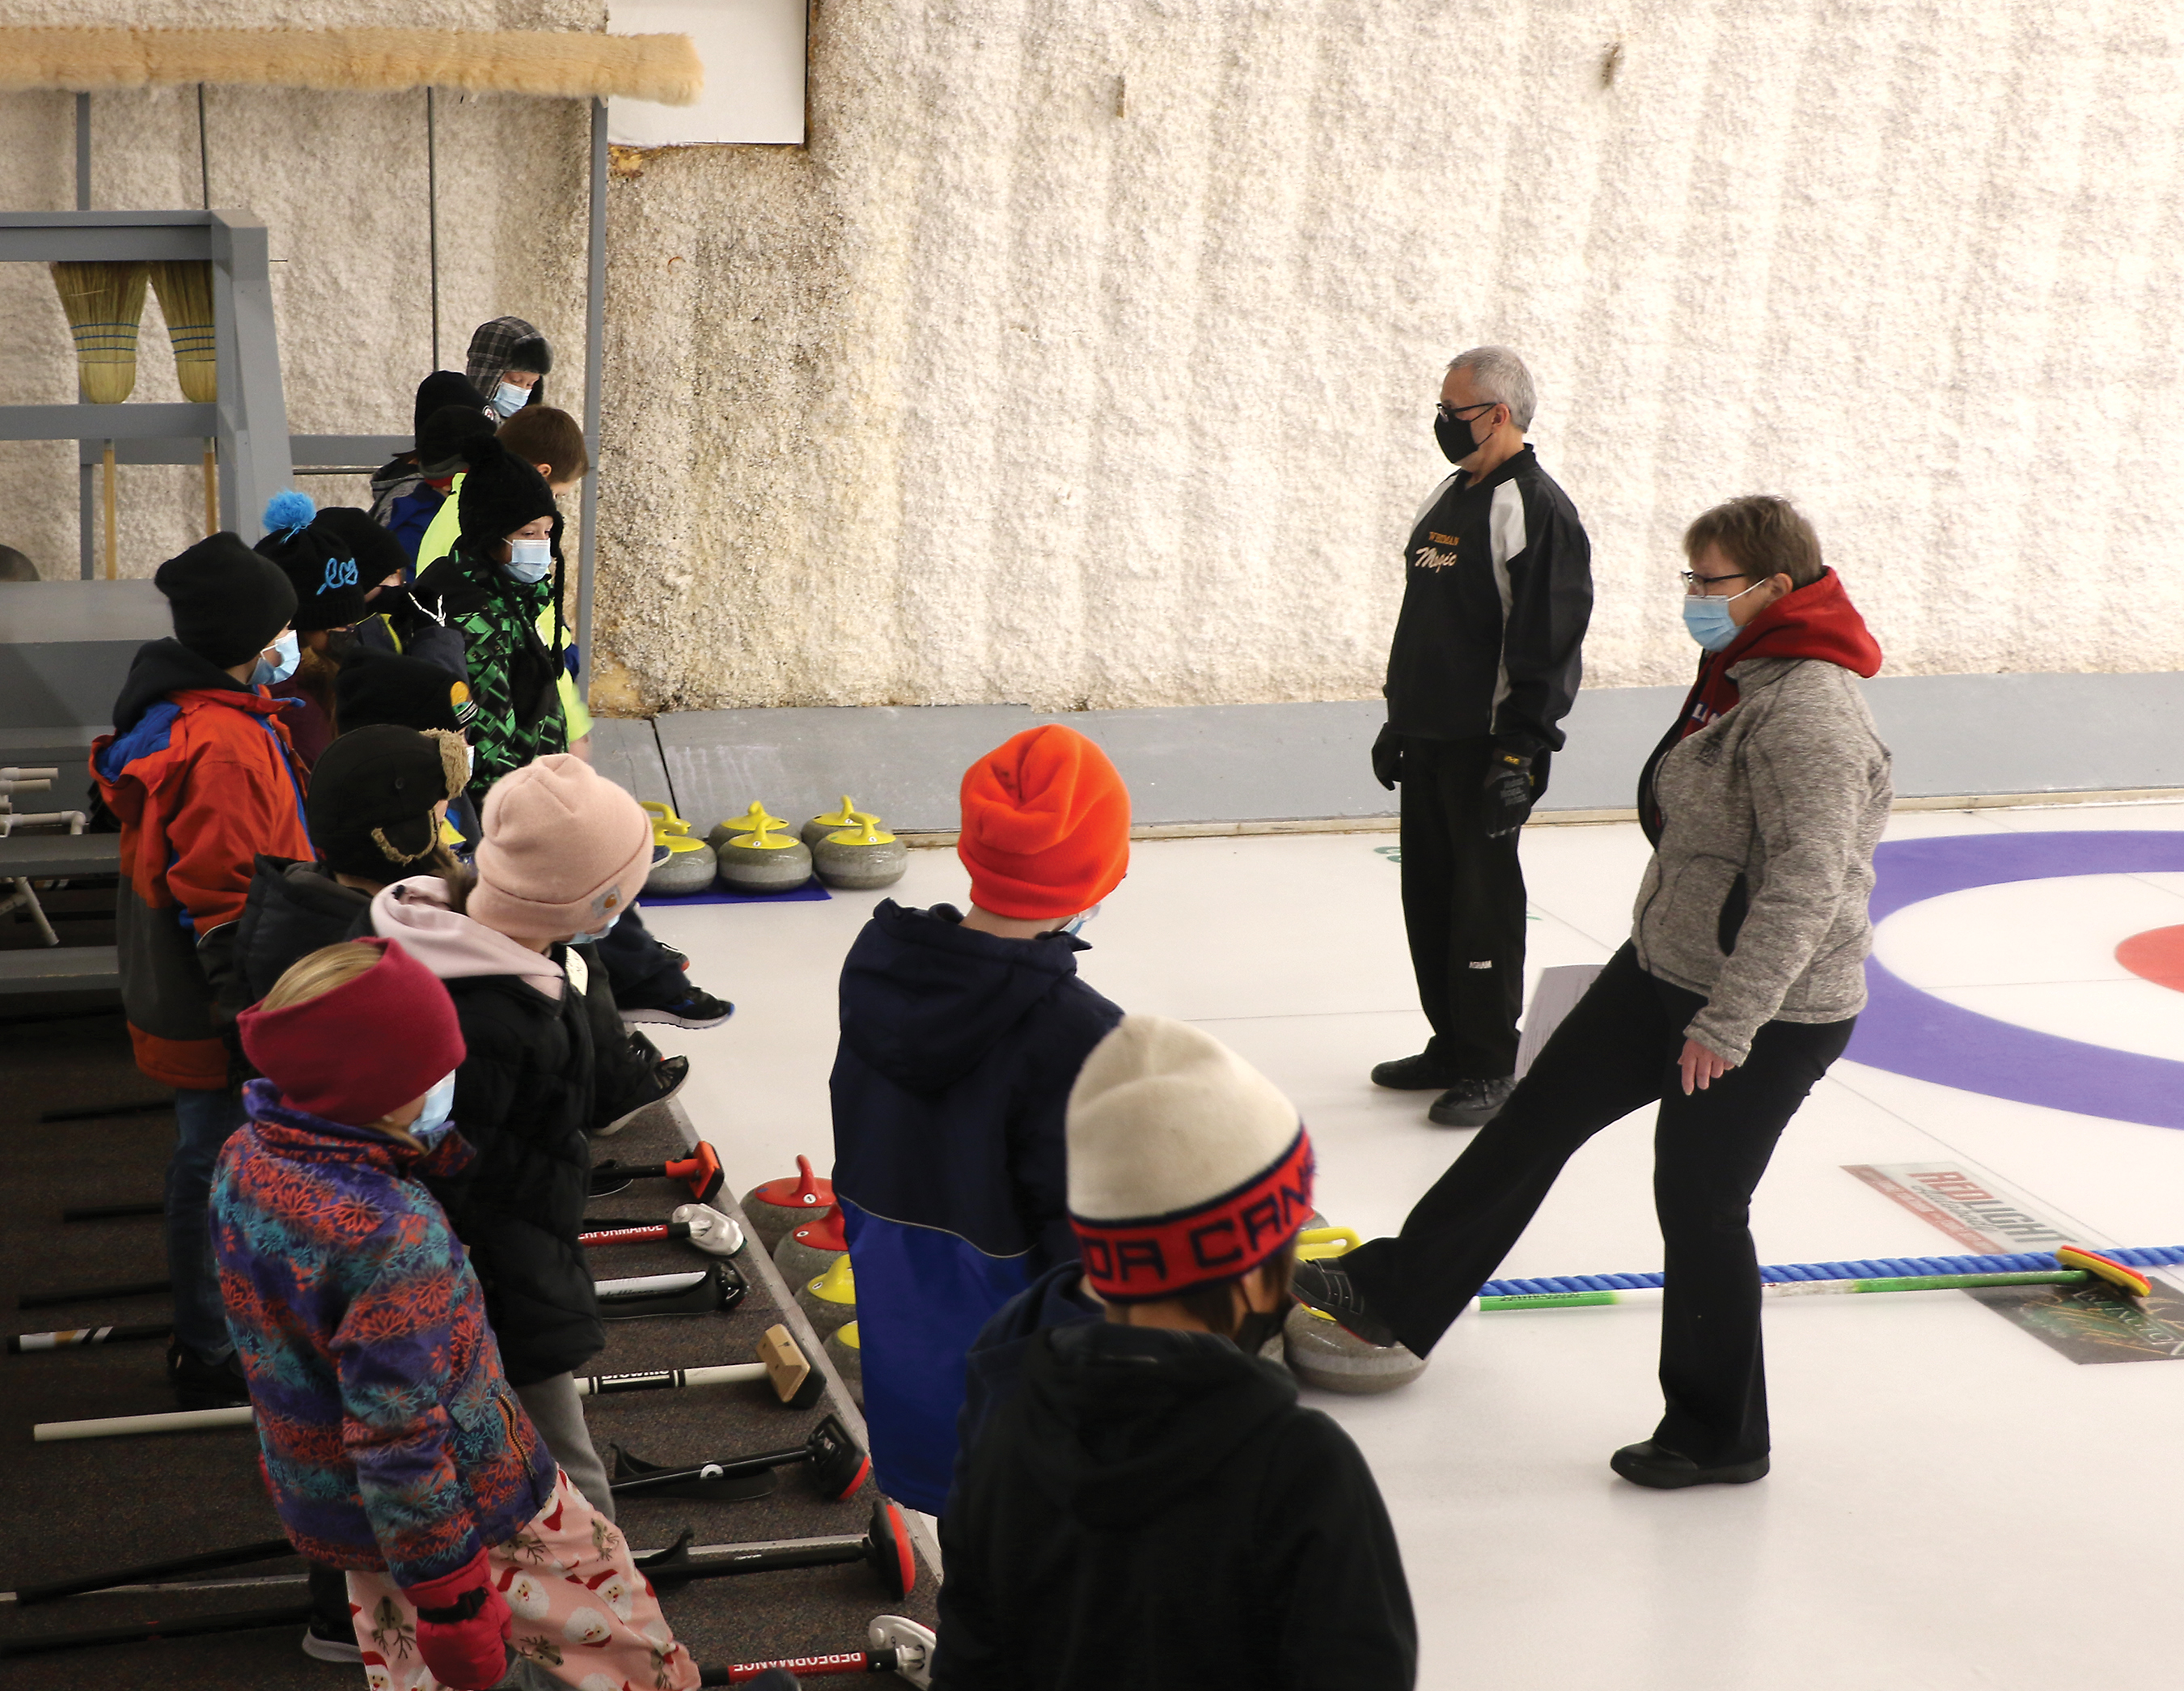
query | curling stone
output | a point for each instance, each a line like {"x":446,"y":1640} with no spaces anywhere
{"x":750,"y":822}
{"x":811,"y":1248}
{"x":681,"y":865}
{"x":847,"y":817}
{"x":1320,"y":1353}
{"x":829,"y":1300}
{"x":861,"y":859}
{"x":765,"y":862}
{"x":844,"y":1350}
{"x":777,"y":1208}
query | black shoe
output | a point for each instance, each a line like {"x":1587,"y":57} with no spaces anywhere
{"x":1419,"y":1074}
{"x":1331,"y":1291}
{"x":1664,"y":1470}
{"x":1471,"y":1103}
{"x":695,"y":1008}
{"x":323,"y":1641}
{"x":202,"y":1385}
{"x":664,"y":1082}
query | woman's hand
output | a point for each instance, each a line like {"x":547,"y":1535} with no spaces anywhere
{"x":1701,"y":1067}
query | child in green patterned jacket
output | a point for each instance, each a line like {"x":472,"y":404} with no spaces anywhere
{"x":503,"y":579}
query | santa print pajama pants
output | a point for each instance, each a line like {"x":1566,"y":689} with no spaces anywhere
{"x":1616,"y":1052}
{"x":584,"y":1615}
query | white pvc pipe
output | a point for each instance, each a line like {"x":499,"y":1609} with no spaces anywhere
{"x":122,"y":1426}
{"x":196,"y":1421}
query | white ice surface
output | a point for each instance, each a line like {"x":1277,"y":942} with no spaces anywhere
{"x":1947,"y":1488}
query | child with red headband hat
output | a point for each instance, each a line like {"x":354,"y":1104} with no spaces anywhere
{"x":1152,"y":1507}
{"x":961,"y":1034}
{"x":393,"y":1443}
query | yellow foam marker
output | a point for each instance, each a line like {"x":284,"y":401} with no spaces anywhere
{"x":1315,"y":1242}
{"x":838,"y":1285}
{"x":2121,"y":1275}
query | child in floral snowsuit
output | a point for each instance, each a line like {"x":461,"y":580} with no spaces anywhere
{"x":392,"y":1443}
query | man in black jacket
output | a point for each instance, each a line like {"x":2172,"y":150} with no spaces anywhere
{"x":1149,"y":1506}
{"x":1485,"y":663}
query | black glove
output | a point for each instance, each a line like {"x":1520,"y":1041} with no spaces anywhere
{"x":1387,"y":758}
{"x":1508,"y":792}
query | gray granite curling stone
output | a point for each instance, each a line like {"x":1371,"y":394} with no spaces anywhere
{"x":860,"y":859}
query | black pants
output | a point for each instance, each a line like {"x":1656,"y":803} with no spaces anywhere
{"x":1463,"y":909}
{"x":638,"y":967}
{"x":1617,"y":1052}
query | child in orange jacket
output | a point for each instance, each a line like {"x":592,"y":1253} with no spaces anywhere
{"x":201,"y":774}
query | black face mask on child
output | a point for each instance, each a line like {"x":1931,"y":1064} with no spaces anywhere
{"x":1258,"y":1326}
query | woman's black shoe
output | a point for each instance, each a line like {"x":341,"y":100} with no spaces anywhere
{"x":1471,"y":1103}
{"x":1649,"y":1464}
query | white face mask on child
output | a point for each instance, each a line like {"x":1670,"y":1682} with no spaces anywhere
{"x":530,"y":561}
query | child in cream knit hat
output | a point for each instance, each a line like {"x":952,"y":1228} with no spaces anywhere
{"x":1151,"y":1466}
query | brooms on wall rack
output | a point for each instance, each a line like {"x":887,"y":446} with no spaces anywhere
{"x":105,"y":307}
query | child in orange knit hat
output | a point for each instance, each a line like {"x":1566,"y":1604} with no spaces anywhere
{"x":960,"y":1035}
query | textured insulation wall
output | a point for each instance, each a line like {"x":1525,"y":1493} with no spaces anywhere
{"x":340,"y":180}
{"x":1086,"y":355}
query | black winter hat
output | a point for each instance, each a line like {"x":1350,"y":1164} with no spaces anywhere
{"x":353,"y":533}
{"x":500,"y":494}
{"x":369,"y":809}
{"x":329,"y":580}
{"x":444,"y":439}
{"x":438,"y":391}
{"x":228,"y":603}
{"x":377,"y":686}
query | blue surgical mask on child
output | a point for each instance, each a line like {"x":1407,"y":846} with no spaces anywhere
{"x":508,"y":399}
{"x":599,"y":934}
{"x":431,"y":1124}
{"x":268,"y":674}
{"x":1708,"y":619}
{"x":530,"y":561}
{"x":1075,"y":924}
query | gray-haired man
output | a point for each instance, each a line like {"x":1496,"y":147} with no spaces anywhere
{"x":1484,"y":668}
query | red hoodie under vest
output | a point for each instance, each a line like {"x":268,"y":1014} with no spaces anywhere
{"x":1814,"y":621}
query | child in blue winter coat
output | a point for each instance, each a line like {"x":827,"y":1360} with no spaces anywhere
{"x":960,"y":1036}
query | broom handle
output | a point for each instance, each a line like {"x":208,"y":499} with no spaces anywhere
{"x":109,"y":510}
{"x":212,"y":493}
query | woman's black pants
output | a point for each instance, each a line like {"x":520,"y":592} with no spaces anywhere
{"x":1616,"y":1052}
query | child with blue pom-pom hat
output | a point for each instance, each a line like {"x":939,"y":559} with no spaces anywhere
{"x":333,"y":559}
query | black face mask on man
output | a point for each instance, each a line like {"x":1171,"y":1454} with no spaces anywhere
{"x":1454,"y":435}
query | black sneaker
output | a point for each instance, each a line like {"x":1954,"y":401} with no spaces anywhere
{"x":323,"y":1641}
{"x":1419,"y":1074}
{"x":1471,"y":1103}
{"x":1664,"y":1470}
{"x":695,"y":1008}
{"x":664,"y":1082}
{"x":1331,"y":1291}
{"x":202,"y":1385}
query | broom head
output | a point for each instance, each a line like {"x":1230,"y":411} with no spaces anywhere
{"x":104,"y":302}
{"x":185,"y":289}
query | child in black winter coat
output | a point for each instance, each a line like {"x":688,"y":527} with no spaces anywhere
{"x":565,"y":852}
{"x":1151,"y":1507}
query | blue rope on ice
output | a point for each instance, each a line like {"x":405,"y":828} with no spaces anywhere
{"x":1876,"y":1268}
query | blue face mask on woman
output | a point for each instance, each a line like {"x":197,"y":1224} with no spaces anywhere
{"x":268,"y":674}
{"x":530,"y":561}
{"x":1708,"y":619}
{"x":508,"y":399}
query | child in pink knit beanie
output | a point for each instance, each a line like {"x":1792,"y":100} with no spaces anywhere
{"x":565,"y":852}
